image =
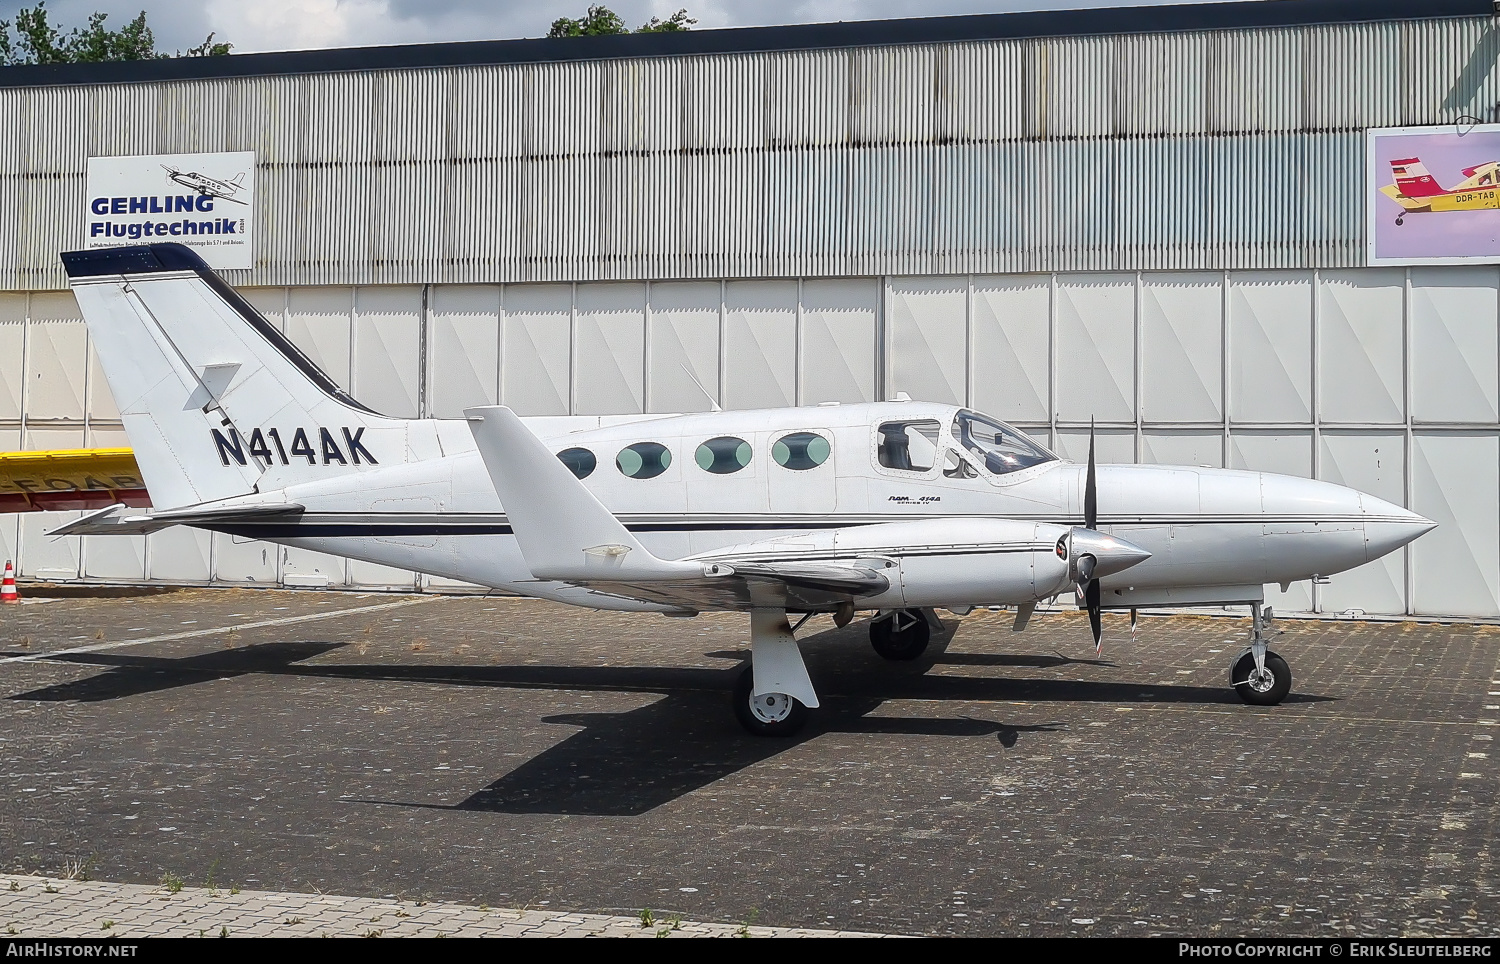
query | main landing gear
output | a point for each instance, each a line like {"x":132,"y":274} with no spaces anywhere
{"x":903,"y":635}
{"x":1259,"y":676}
{"x":773,"y":693}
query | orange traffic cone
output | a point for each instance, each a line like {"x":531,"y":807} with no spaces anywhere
{"x":8,"y":592}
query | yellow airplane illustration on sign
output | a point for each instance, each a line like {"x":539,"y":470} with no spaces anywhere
{"x":1418,"y":191}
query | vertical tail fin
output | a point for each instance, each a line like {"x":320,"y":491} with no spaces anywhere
{"x":1413,"y":180}
{"x":216,"y":401}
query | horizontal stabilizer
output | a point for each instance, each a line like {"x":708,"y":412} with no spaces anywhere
{"x":121,"y":520}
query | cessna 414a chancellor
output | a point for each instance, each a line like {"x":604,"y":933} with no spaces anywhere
{"x":892,"y":507}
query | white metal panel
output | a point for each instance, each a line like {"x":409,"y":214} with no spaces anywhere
{"x":1375,"y":464}
{"x":244,"y":560}
{"x":927,"y":329}
{"x":387,"y":348}
{"x":609,"y":366}
{"x":101,"y":402}
{"x":1453,"y":346}
{"x":1165,"y":447}
{"x":535,"y":355}
{"x":270,"y":302}
{"x":49,"y":438}
{"x":1359,"y":346}
{"x":443,"y":584}
{"x":369,"y":575}
{"x":1110,"y":445}
{"x":838,"y":341}
{"x":1096,"y":347}
{"x":318,"y":322}
{"x":682,"y":372}
{"x":45,"y":558}
{"x":1012,"y":344}
{"x":463,"y":349}
{"x":1270,"y":347}
{"x":1285,"y":453}
{"x":304,"y":567}
{"x":760,"y":344}
{"x":177,"y":554}
{"x":109,"y":435}
{"x":1182,"y":344}
{"x":115,"y":558}
{"x":12,"y":338}
{"x":1456,"y":483}
{"x":56,"y":353}
{"x":10,"y":438}
{"x":10,"y":529}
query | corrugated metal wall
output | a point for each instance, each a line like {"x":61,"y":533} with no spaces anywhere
{"x":1219,"y":149}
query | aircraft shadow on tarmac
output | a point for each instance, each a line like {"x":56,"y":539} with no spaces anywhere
{"x":626,"y":764}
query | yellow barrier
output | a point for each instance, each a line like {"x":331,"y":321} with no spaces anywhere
{"x":68,"y":470}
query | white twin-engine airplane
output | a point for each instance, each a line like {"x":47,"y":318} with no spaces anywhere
{"x":893,"y":507}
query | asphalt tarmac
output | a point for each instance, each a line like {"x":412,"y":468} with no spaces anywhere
{"x":514,"y":753}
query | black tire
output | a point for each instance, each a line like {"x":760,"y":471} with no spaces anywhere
{"x":1280,"y":686}
{"x":756,"y":723}
{"x":907,"y":643}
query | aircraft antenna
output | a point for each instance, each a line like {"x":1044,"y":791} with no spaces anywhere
{"x":713,"y":403}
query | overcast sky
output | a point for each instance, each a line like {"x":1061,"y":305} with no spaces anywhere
{"x":255,"y":25}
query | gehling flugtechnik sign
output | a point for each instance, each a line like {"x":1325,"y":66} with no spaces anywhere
{"x":205,"y":201}
{"x":1434,"y":195}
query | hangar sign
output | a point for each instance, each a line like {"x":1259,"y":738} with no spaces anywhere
{"x":1434,"y":195}
{"x":205,"y":201}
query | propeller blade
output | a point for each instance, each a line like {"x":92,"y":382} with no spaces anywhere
{"x":1090,"y":489}
{"x":1095,"y":623}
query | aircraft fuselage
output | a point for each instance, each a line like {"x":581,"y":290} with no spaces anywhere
{"x":1215,"y":535}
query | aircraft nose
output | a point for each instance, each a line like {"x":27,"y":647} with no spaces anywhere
{"x":1388,"y":527}
{"x":1111,"y":553}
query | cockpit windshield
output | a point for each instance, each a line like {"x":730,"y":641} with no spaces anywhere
{"x":1002,"y":448}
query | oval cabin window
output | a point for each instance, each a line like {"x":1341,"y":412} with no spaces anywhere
{"x":801,"y":450}
{"x":580,"y":462}
{"x":724,"y":455}
{"x":644,"y":460}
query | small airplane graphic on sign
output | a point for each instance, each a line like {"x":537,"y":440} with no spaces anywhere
{"x":1418,"y":191}
{"x":211,"y":186}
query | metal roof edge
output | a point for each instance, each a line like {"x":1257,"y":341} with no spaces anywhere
{"x":1104,"y":21}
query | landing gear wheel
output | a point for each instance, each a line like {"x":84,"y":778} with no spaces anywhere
{"x":1400,"y":221}
{"x":1266,"y":689}
{"x":769,"y":714}
{"x":903,"y":635}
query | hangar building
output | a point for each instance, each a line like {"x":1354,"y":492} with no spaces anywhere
{"x":1152,"y":217}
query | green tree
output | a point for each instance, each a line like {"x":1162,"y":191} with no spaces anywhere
{"x":676,"y":22}
{"x":32,"y":38}
{"x":600,"y":21}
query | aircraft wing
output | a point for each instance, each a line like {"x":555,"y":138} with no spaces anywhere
{"x":748,"y":586}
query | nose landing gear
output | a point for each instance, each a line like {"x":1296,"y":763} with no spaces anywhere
{"x":1259,"y":676}
{"x":903,"y":635}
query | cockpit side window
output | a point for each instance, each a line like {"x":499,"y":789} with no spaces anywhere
{"x":908,"y":446}
{"x":1002,"y":448}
